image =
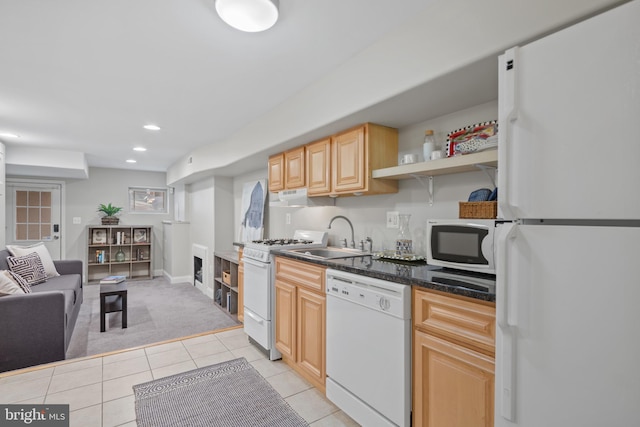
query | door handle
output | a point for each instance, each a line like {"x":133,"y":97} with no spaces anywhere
{"x":508,"y":114}
{"x":253,"y":263}
{"x":56,"y":237}
{"x":254,"y":317}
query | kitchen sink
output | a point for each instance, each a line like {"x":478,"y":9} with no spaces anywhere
{"x":329,"y":252}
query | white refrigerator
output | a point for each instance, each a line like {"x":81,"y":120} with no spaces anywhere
{"x":568,"y":263}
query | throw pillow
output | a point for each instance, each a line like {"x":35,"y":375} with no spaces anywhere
{"x":29,"y":267}
{"x":19,"y":281}
{"x":9,"y":287}
{"x":43,"y":253}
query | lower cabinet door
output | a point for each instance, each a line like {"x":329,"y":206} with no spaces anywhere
{"x":311,"y":334}
{"x":453,"y":385}
{"x":285,"y":319}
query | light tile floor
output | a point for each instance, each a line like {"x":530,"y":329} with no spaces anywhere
{"x":99,"y":390}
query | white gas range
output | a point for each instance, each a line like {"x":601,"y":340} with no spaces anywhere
{"x":259,"y":284}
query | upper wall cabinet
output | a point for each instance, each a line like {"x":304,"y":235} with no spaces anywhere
{"x":294,"y":176}
{"x":276,"y":173}
{"x":318,"y":163}
{"x":287,"y":170}
{"x":355,"y":153}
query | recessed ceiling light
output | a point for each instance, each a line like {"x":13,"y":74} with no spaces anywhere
{"x":151,"y":127}
{"x":139,"y":149}
{"x":9,"y":135}
{"x":131,"y":161}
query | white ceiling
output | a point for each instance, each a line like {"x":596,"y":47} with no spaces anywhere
{"x":87,"y":75}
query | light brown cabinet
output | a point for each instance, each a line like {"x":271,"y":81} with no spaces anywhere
{"x":301,"y":318}
{"x":342,"y":165}
{"x":276,"y":173}
{"x":287,"y":170}
{"x":453,"y":361}
{"x":318,"y":162}
{"x":294,"y":167}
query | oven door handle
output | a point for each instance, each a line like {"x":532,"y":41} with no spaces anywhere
{"x":254,"y":317}
{"x":255,"y":263}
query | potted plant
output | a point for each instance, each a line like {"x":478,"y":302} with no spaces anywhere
{"x":109,"y":213}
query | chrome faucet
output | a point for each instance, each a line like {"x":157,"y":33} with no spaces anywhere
{"x":353,"y":239}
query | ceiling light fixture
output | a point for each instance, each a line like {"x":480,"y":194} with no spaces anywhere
{"x":131,"y":161}
{"x":139,"y":149}
{"x":9,"y":135}
{"x":248,"y":15}
{"x":151,"y":127}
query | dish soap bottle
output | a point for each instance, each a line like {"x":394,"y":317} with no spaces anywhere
{"x":429,"y":145}
{"x":120,"y":255}
{"x":404,"y":244}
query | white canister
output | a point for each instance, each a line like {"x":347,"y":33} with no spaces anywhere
{"x":429,"y":145}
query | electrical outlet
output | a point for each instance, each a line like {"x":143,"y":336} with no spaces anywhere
{"x":393,"y":219}
{"x":77,"y":220}
{"x":287,"y":218}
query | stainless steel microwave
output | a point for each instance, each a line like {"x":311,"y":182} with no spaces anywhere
{"x":462,"y":244}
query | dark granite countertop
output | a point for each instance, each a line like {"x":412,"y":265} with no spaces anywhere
{"x":411,"y":273}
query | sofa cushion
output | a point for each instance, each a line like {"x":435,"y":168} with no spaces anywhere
{"x":17,"y":280}
{"x":29,"y":267}
{"x":67,"y":282}
{"x":8,"y":286}
{"x":43,"y":253}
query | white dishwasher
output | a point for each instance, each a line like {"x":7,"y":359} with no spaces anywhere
{"x":369,"y":348}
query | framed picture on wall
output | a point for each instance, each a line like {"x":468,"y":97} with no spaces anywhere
{"x":139,"y":235}
{"x":148,"y":200}
{"x":99,"y":236}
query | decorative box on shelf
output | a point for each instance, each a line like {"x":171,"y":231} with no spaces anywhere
{"x":226,"y":277}
{"x":485,"y":210}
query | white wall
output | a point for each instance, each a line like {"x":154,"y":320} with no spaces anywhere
{"x":210,"y":206}
{"x":238,"y":184}
{"x":109,"y":186}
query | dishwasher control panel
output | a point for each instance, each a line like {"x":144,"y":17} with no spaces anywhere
{"x":380,"y":295}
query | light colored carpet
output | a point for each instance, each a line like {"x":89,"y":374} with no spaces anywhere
{"x":228,"y":394}
{"x":157,"y":311}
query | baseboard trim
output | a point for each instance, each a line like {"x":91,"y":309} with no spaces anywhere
{"x":176,"y":279}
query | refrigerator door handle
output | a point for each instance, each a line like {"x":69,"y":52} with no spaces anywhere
{"x":506,"y":311}
{"x":508,"y":106}
{"x":506,"y":317}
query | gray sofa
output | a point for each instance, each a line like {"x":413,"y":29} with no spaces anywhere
{"x":36,"y":328}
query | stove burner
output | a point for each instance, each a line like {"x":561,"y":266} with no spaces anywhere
{"x":282,"y":242}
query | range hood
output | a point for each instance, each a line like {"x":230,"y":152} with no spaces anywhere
{"x":297,"y":198}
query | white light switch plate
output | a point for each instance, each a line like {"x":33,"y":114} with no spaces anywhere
{"x":393,"y":220}
{"x":77,"y":220}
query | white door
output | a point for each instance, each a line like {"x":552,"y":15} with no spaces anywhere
{"x":568,"y":112}
{"x":34,"y":214}
{"x":568,"y":318}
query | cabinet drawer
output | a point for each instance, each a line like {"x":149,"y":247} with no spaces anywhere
{"x":300,"y":273}
{"x":461,"y":320}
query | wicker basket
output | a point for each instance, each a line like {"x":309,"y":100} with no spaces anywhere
{"x":110,"y":220}
{"x":488,"y":210}
{"x":226,"y":277}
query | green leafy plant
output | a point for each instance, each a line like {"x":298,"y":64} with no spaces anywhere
{"x":109,"y":210}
